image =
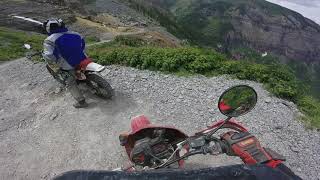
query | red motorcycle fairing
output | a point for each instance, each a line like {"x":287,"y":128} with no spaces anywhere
{"x":141,"y":125}
{"x":138,"y":123}
{"x":141,"y":128}
{"x":142,"y":122}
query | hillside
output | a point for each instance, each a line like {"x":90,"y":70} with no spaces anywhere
{"x":229,"y":24}
{"x":222,"y":24}
{"x":244,"y":30}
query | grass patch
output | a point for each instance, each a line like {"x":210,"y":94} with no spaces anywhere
{"x":132,"y":40}
{"x":12,"y":41}
{"x":311,"y":107}
{"x":277,"y":79}
{"x":91,"y":39}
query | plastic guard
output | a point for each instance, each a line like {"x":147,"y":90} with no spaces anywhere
{"x":277,"y":159}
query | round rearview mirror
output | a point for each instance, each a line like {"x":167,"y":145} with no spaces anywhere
{"x":237,"y":101}
{"x":27,"y":46}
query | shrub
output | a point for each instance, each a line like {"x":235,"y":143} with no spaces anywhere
{"x":91,"y":39}
{"x":279,"y":80}
{"x":132,"y":40}
{"x":310,"y":107}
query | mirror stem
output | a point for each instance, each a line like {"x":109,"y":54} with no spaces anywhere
{"x":208,"y":136}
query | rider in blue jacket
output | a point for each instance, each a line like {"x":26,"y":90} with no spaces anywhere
{"x":66,"y":49}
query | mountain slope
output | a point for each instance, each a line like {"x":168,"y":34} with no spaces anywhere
{"x":231,"y":24}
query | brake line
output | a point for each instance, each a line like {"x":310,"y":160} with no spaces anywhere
{"x":167,"y":159}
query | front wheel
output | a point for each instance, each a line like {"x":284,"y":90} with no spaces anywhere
{"x":101,"y":87}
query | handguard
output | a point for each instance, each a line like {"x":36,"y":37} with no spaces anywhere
{"x":248,"y":148}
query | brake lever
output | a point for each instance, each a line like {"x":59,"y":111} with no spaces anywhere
{"x":215,"y":147}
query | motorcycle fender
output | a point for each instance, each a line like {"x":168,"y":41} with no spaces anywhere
{"x":94,"y":67}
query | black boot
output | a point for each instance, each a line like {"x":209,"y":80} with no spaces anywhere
{"x":81,"y":104}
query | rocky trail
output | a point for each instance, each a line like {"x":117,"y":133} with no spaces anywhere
{"x":42,"y":135}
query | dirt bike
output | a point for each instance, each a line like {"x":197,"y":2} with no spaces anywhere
{"x":150,"y":146}
{"x":88,"y":73}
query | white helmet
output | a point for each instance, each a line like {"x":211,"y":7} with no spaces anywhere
{"x":53,"y":24}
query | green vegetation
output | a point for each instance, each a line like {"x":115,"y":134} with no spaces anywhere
{"x":132,"y":40}
{"x":165,"y":18}
{"x":308,"y":75}
{"x":87,"y":1}
{"x":311,"y":107}
{"x":215,"y":31}
{"x":278,"y":79}
{"x":205,"y":18}
{"x":12,"y":41}
{"x":233,"y":99}
{"x":205,"y":23}
{"x":91,"y":39}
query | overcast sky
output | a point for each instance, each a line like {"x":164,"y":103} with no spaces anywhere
{"x":308,"y":8}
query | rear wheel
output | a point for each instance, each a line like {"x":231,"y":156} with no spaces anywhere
{"x":101,"y":87}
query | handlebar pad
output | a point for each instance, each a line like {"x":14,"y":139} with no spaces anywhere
{"x":231,"y":124}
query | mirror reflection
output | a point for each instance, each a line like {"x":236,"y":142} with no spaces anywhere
{"x":237,"y":101}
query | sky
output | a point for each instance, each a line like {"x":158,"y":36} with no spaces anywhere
{"x":308,"y":8}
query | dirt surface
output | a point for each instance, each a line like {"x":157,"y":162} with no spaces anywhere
{"x":42,"y":135}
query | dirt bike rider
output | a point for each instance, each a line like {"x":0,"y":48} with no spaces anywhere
{"x":66,"y":49}
{"x":260,"y":164}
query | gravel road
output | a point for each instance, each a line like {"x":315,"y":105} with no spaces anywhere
{"x":42,"y":135}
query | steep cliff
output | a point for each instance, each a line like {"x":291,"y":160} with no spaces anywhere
{"x":230,"y":24}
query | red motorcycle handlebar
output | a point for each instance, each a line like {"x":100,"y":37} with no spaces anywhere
{"x":232,"y":124}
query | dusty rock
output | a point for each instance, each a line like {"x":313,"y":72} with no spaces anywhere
{"x":294,"y":148}
{"x":53,"y":116}
{"x":267,"y":100}
{"x":57,"y":90}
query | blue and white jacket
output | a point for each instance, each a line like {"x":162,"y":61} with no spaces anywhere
{"x":65,"y":48}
